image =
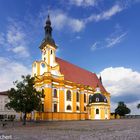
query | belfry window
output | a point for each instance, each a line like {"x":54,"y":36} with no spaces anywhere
{"x":68,"y":107}
{"x":51,"y":52}
{"x":77,"y":96}
{"x":97,"y":111}
{"x":68,"y":95}
{"x":55,"y":93}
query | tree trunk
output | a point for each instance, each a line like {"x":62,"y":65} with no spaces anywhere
{"x":24,"y":119}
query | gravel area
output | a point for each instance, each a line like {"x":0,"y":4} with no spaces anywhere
{"x":123,"y":129}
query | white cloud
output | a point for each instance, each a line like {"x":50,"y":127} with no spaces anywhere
{"x":109,"y":42}
{"x":61,"y":20}
{"x":14,"y":35}
{"x":112,"y":41}
{"x":121,"y":81}
{"x":78,"y":37}
{"x":22,"y":50}
{"x":14,"y":39}
{"x":83,"y":3}
{"x":94,"y":46}
{"x":105,"y":15}
{"x":124,"y":85}
{"x":11,"y":71}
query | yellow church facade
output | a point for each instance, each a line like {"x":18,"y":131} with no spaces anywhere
{"x":71,"y":93}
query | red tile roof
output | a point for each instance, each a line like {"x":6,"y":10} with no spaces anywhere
{"x":79,"y":75}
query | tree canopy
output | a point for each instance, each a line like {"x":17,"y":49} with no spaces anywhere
{"x":122,"y":109}
{"x":24,"y":97}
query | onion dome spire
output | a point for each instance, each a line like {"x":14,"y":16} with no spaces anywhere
{"x":48,"y":28}
{"x":48,"y":34}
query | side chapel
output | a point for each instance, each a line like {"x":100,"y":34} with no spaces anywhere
{"x":71,"y":92}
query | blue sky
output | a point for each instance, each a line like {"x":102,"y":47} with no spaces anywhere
{"x":98,"y":35}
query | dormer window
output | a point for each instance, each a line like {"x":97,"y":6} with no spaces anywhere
{"x":97,"y":99}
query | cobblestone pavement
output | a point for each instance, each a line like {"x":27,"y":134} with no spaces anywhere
{"x":123,"y":129}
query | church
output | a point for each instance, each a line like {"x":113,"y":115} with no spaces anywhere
{"x":70,"y":92}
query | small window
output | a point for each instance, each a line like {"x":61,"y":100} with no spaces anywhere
{"x":77,"y":108}
{"x":84,"y":98}
{"x":68,"y":95}
{"x":97,"y":99}
{"x":68,"y":107}
{"x":44,"y":59}
{"x":55,"y":93}
{"x":34,"y":65}
{"x":97,"y":111}
{"x":77,"y":96}
{"x":43,"y":65}
{"x":51,"y":52}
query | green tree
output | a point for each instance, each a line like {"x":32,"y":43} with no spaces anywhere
{"x":24,"y":97}
{"x":122,"y":109}
{"x":138,"y":106}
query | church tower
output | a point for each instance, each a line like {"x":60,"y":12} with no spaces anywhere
{"x":48,"y":49}
{"x":48,"y":46}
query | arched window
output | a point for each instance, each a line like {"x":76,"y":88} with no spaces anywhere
{"x":97,"y":111}
{"x":77,"y":96}
{"x":55,"y":93}
{"x":77,"y":107}
{"x":97,"y":99}
{"x":85,"y":108}
{"x":84,"y":98}
{"x":105,"y":100}
{"x":90,"y":99}
{"x":68,"y":95}
{"x":68,"y":107}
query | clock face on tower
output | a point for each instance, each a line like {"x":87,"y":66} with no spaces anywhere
{"x":43,"y":65}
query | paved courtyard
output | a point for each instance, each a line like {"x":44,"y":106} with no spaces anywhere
{"x":124,"y":129}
